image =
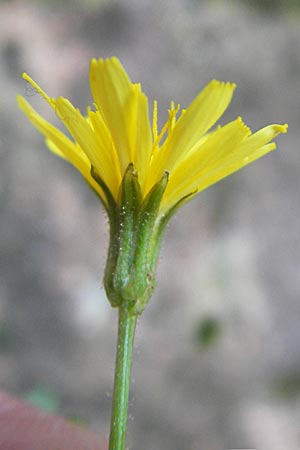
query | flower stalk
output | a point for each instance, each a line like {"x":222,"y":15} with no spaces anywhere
{"x":125,"y":342}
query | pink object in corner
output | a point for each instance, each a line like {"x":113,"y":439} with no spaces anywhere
{"x":25,"y":427}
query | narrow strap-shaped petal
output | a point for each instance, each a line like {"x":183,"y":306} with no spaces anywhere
{"x":111,"y":88}
{"x":85,"y":170}
{"x":96,"y":146}
{"x":64,"y":146}
{"x":106,"y":145}
{"x":49,"y":100}
{"x":230,"y":157}
{"x":199,"y":117}
{"x":139,"y":132}
{"x":262,"y":137}
{"x":210,"y":153}
{"x":56,"y":150}
{"x":59,"y":144}
{"x":96,"y":150}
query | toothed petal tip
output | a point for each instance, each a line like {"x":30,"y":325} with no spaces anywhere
{"x":243,"y":126}
{"x":281,"y":128}
{"x":111,"y":60}
{"x":216,"y":83}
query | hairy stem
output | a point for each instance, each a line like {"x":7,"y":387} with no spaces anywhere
{"x":125,"y":342}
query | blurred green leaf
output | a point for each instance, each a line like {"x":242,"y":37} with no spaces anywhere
{"x":77,"y":420}
{"x":273,"y":6}
{"x":208,"y":331}
{"x":288,"y":386}
{"x":43,"y":398}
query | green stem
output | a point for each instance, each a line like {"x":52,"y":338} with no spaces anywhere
{"x":125,"y":341}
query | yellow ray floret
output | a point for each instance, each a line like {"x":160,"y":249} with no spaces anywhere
{"x":117,"y":132}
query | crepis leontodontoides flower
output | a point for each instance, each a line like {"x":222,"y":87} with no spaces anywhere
{"x":142,"y":174}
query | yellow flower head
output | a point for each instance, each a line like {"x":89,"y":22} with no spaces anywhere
{"x":116,"y":132}
{"x":143,"y":175}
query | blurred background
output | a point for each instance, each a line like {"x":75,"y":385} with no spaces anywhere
{"x":217,"y":358}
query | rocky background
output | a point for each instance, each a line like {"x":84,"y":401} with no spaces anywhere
{"x":217,"y":359}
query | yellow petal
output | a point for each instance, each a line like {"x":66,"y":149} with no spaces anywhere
{"x":199,"y":117}
{"x":125,"y":111}
{"x":59,"y":144}
{"x":204,"y":158}
{"x":97,"y":150}
{"x":227,"y":156}
{"x":106,"y":147}
{"x":46,"y":97}
{"x":263,"y":136}
{"x":65,"y":147}
{"x":97,"y":146}
{"x":54,"y":149}
{"x":111,"y":88}
{"x":139,"y":133}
